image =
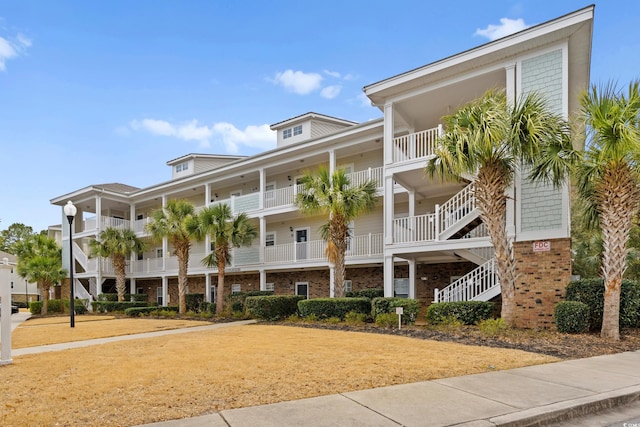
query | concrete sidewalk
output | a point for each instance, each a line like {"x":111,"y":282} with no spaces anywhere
{"x":534,"y":395}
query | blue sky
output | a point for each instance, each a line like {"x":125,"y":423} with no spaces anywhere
{"x":108,"y":91}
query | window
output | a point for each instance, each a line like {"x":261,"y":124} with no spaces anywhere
{"x":140,"y":256}
{"x":182,"y":167}
{"x":297,"y":130}
{"x":235,"y":288}
{"x":159,"y":253}
{"x":348,"y":286}
{"x":286,"y":133}
{"x":159,"y":296}
{"x":269,"y":287}
{"x":270,"y":239}
{"x":269,"y":191}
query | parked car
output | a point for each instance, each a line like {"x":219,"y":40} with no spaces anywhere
{"x":14,"y":309}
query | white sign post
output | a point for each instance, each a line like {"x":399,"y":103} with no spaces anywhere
{"x":5,"y":313}
{"x":399,"y":311}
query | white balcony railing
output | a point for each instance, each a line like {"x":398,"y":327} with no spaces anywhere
{"x":416,"y":145}
{"x":480,"y":285}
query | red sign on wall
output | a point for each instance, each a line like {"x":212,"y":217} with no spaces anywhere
{"x":542,"y":246}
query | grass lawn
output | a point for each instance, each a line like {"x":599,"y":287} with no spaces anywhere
{"x":154,"y":379}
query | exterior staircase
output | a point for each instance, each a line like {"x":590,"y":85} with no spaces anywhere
{"x":481,"y":284}
{"x":80,"y":292}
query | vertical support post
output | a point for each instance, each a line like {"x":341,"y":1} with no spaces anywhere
{"x":437,"y":224}
{"x":5,"y":313}
{"x":207,"y":287}
{"x":263,"y":280}
{"x":165,"y":291}
{"x":412,"y":278}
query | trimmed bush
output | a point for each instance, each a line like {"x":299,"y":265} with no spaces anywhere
{"x":572,"y":317}
{"x":411,"y":308}
{"x":324,"y":308}
{"x":35,"y":307}
{"x":127,"y":297}
{"x":145,"y":311}
{"x":387,"y":320}
{"x":194,"y":302}
{"x":111,"y":306}
{"x":366,"y":293}
{"x":468,"y":312}
{"x":272,"y":307}
{"x":591,"y":292}
{"x":56,"y":306}
{"x":236,"y":301}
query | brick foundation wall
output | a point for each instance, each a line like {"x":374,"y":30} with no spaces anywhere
{"x":438,"y":276}
{"x":541,"y":281}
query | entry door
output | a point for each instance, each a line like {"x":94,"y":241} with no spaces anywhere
{"x":302,"y":243}
{"x":302,"y":288}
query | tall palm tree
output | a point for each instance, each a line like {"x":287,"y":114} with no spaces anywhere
{"x":333,"y":195}
{"x":117,"y":244}
{"x":227,"y":231}
{"x":489,"y":138}
{"x":176,"y":221}
{"x":608,"y":181}
{"x":40,"y":261}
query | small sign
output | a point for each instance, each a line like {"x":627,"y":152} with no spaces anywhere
{"x":542,"y":246}
{"x":399,"y":310}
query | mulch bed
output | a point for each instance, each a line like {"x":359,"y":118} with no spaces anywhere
{"x":552,"y":343}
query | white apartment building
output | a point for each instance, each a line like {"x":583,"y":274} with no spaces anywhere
{"x":424,"y":235}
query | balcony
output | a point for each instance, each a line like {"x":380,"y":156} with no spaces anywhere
{"x":415,"y":146}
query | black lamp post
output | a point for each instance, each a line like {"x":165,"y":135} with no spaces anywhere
{"x":70,"y":211}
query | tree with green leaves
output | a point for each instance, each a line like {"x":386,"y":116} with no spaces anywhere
{"x":118,"y":244}
{"x":334,"y":195}
{"x":489,"y":138}
{"x":13,"y":235}
{"x":40,"y":261}
{"x":226,"y":231}
{"x":608,"y":183}
{"x":176,"y":221}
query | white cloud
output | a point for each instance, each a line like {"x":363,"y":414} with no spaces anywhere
{"x":330,"y":92}
{"x":332,"y":73}
{"x":11,"y":48}
{"x":298,"y":81}
{"x":252,"y":136}
{"x":507,"y":26}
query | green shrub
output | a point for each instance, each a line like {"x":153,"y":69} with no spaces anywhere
{"x":492,"y":327}
{"x":468,"y":312}
{"x":325,"y":308}
{"x":237,"y":300}
{"x":572,"y":317}
{"x":356,"y":319}
{"x":332,"y":320}
{"x":79,"y":306}
{"x":366,"y":293}
{"x":35,"y":307}
{"x":387,"y":320}
{"x":127,"y":297}
{"x":56,"y":306}
{"x":148,"y":311}
{"x":194,"y":302}
{"x":114,"y":306}
{"x":591,"y":292}
{"x":411,"y":308}
{"x":310,"y":318}
{"x":272,"y":307}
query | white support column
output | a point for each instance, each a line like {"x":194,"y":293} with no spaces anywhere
{"x":332,"y":162}
{"x":388,"y":209}
{"x":207,"y":287}
{"x":263,"y":237}
{"x":388,"y":276}
{"x":263,"y":183}
{"x":412,"y":202}
{"x":207,"y":194}
{"x":99,"y":283}
{"x":98,"y":214}
{"x":263,"y":280}
{"x":132,"y":286}
{"x":165,"y":291}
{"x":510,"y":71}
{"x":5,"y":314}
{"x":388,"y":133}
{"x":332,"y":275}
{"x":165,"y":247}
{"x":412,"y":278}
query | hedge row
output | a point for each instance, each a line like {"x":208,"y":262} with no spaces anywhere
{"x":468,"y":312}
{"x":58,"y":306}
{"x":140,"y":311}
{"x":324,"y":308}
{"x":272,"y":307}
{"x":127,"y":297}
{"x":410,"y":308}
{"x":111,"y":306}
{"x":366,"y":293}
{"x":591,"y":293}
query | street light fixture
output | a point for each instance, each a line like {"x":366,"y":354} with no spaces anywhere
{"x":70,"y":211}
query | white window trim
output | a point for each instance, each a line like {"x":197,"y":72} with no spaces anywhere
{"x":269,"y":287}
{"x":297,"y":127}
{"x":348,"y":285}
{"x":303,"y":283}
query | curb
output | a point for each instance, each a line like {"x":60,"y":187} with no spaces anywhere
{"x":568,"y":410}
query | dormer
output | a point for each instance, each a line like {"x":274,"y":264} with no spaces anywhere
{"x":307,"y":126}
{"x":195,"y":163}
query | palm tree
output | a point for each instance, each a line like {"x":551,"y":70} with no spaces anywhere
{"x":489,"y":138}
{"x":175,"y":222}
{"x":40,"y":261}
{"x":117,"y":244}
{"x":333,"y":195}
{"x":608,"y":181}
{"x":226,"y":231}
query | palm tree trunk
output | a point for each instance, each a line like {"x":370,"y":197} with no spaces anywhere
{"x":119,"y":265}
{"x":491,"y":199}
{"x":220,"y":294}
{"x":339,"y":269}
{"x":182,"y":253}
{"x":617,"y":197}
{"x":44,"y":290}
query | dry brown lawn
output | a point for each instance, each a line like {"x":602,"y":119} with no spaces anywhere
{"x":134,"y":382}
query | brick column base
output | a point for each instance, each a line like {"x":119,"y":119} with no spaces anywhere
{"x":541,"y":280}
